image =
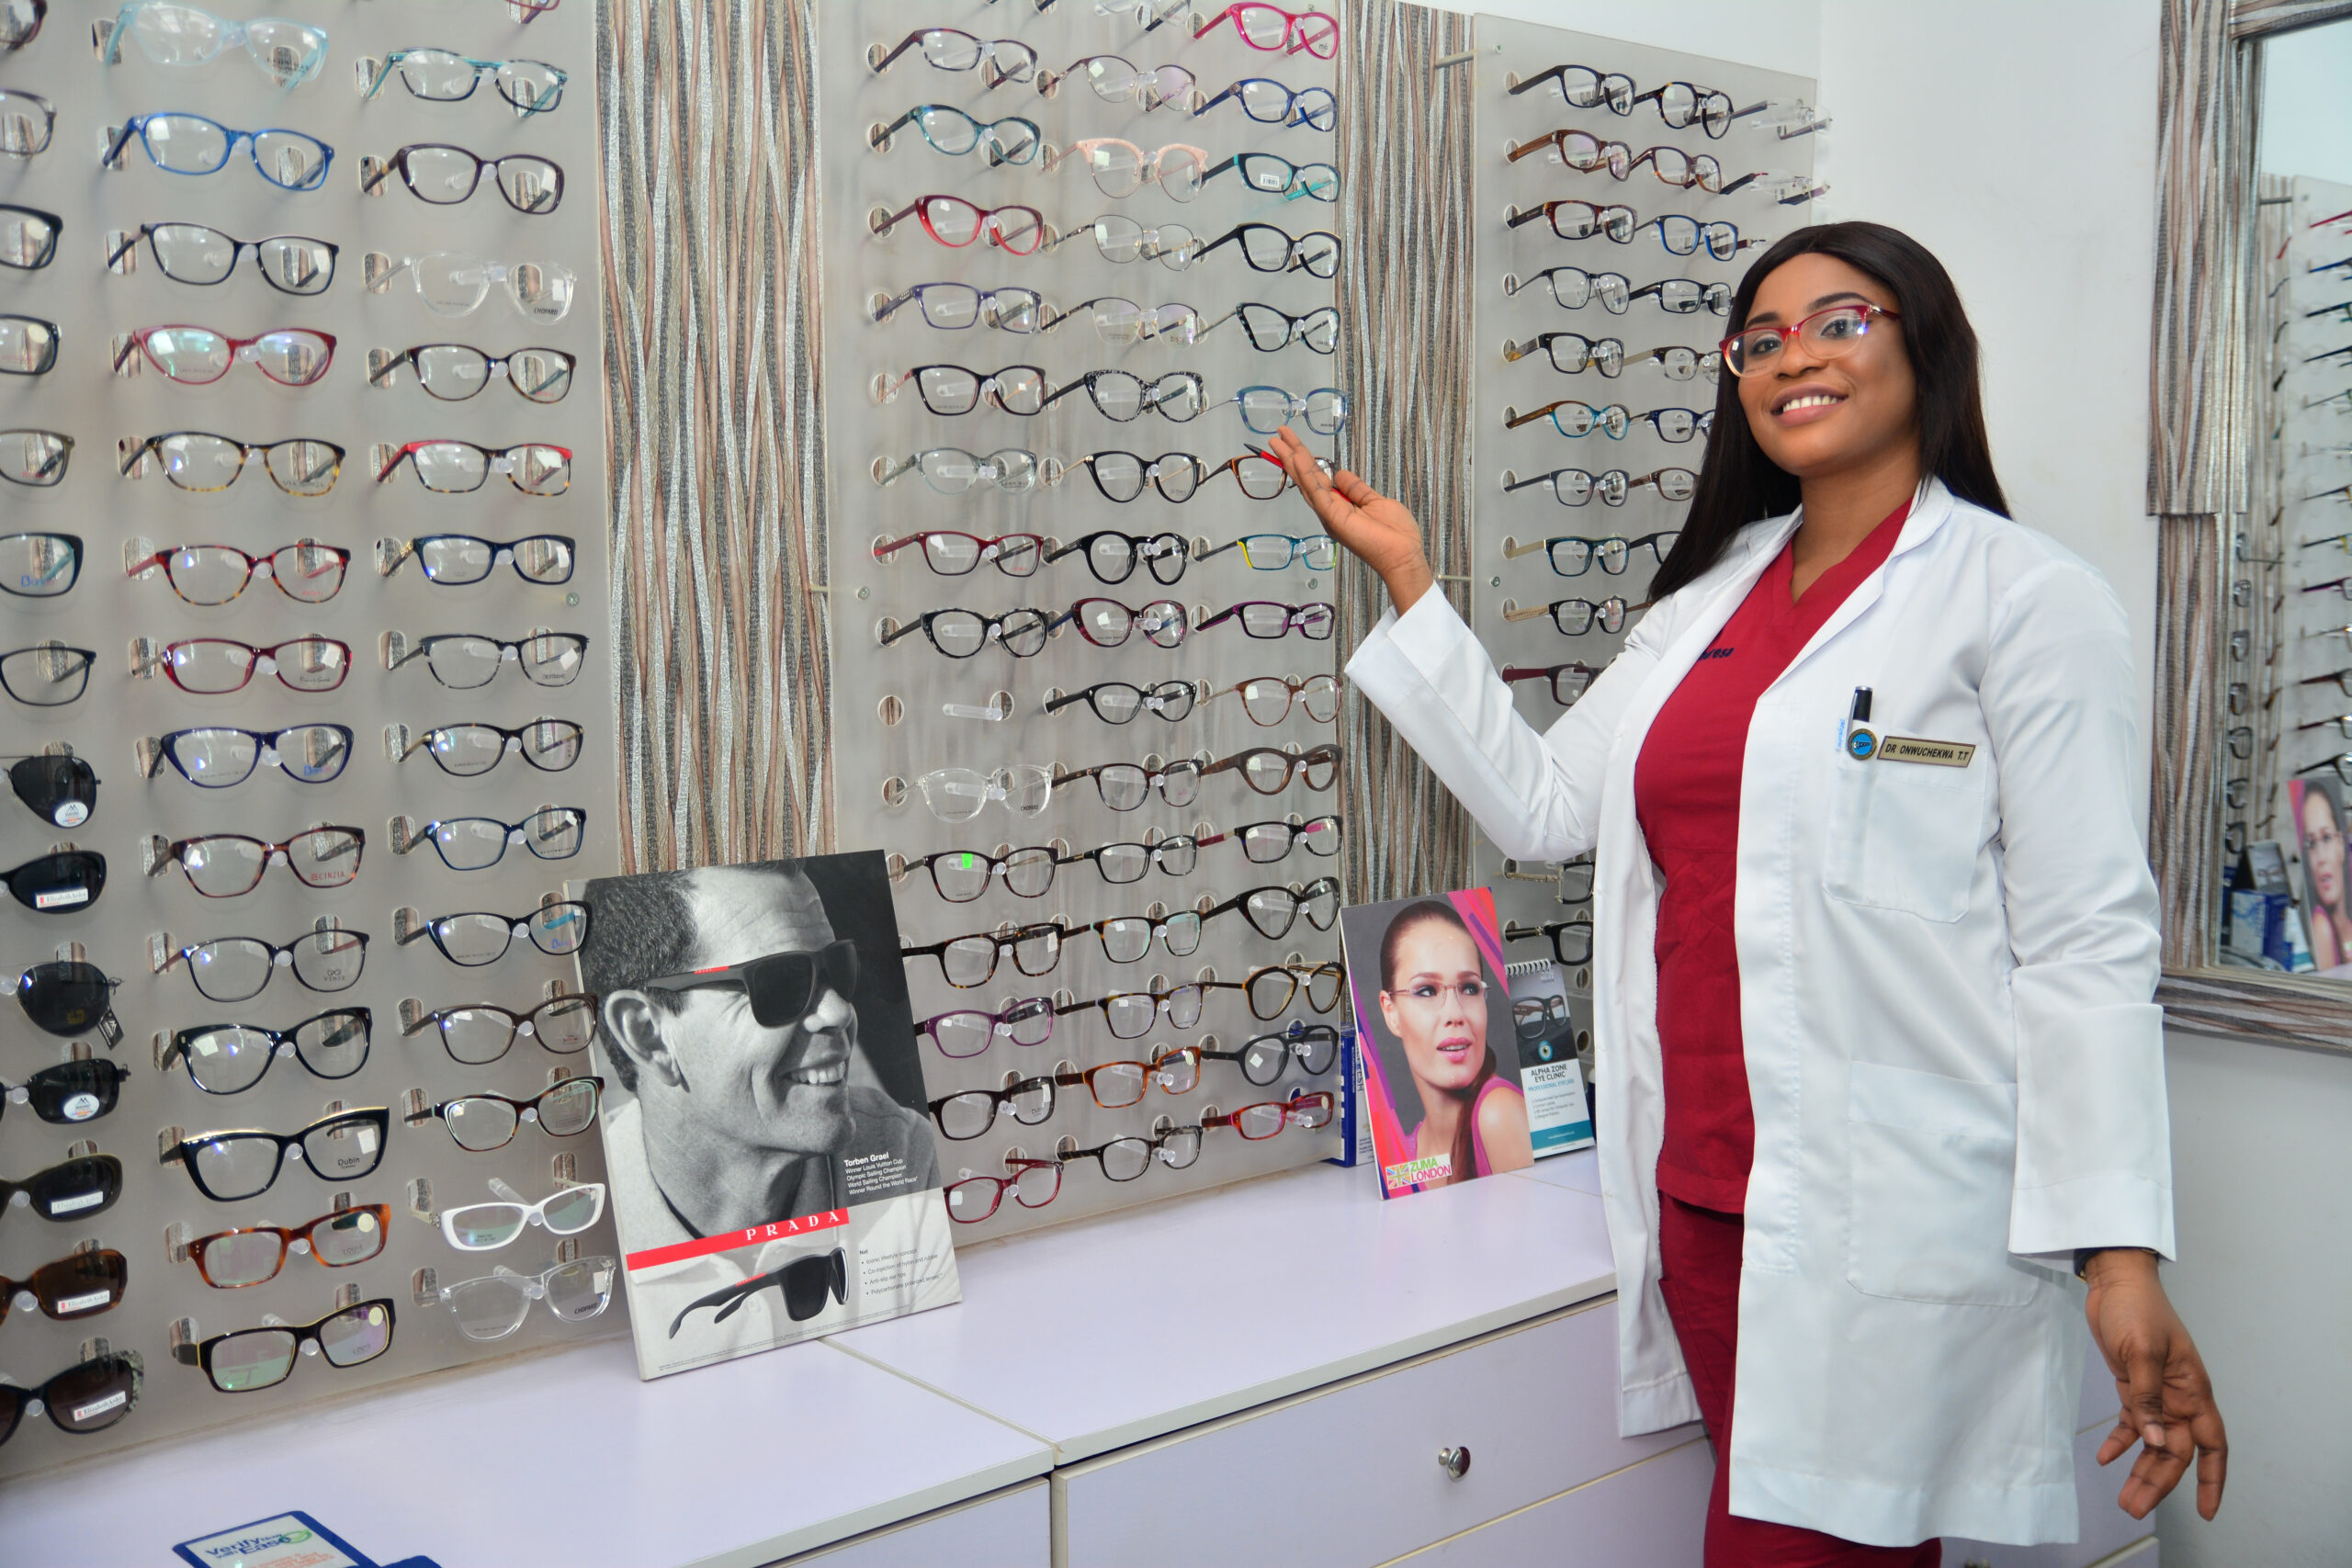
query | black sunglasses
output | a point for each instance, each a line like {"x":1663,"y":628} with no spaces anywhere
{"x":68,"y":996}
{"x":74,"y":1190}
{"x":61,"y":790}
{"x":804,"y":1282}
{"x":782,"y":987}
{"x":89,"y":1398}
{"x":70,"y":1091}
{"x":58,"y":883}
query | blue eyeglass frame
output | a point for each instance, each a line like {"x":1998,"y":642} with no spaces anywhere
{"x":553,"y":100}
{"x":1292,"y":113}
{"x":137,"y":125}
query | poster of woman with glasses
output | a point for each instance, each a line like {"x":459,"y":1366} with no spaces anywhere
{"x":1441,"y":1069}
{"x":771,"y":1164}
{"x":2318,"y":805}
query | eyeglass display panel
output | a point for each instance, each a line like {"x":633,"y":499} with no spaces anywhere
{"x":258,"y":528}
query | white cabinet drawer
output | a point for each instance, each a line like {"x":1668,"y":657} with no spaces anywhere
{"x":2106,"y":1529}
{"x":1005,"y":1530}
{"x":1652,"y":1516}
{"x":1535,"y":1406}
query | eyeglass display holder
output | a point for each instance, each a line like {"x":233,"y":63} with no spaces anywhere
{"x":2276,"y":635}
{"x":904,"y":710}
{"x":166,"y":1304}
{"x":1507,"y":577}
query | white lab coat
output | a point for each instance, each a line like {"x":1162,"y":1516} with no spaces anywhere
{"x":1946,"y":977}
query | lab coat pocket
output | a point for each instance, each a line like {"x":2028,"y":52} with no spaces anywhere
{"x":1905,"y":836}
{"x":1931,"y":1162}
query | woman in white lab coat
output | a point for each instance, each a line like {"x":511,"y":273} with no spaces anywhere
{"x":1880,"y":1073}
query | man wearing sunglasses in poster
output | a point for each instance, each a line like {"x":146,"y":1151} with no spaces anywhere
{"x":772,"y":1171}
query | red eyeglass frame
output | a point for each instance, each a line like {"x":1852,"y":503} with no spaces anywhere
{"x":253,"y":666}
{"x":1292,"y":29}
{"x":1294,"y":1111}
{"x":1787,"y":333}
{"x":985,"y":228}
{"x":161,"y":560}
{"x":139,"y":336}
{"x":1004,"y":1184}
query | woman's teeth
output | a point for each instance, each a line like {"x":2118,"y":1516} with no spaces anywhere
{"x":1810,"y":400}
{"x":819,"y":1077}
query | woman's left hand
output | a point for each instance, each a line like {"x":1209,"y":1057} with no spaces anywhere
{"x":2167,"y":1398}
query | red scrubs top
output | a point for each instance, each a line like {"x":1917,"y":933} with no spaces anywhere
{"x":1686,"y":794}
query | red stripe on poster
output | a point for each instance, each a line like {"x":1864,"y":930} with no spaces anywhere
{"x":678,"y":1252}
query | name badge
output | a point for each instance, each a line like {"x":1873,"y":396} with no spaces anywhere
{"x":1935,"y":753}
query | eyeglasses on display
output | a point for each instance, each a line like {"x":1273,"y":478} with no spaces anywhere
{"x":952,"y":49}
{"x":465,"y":660}
{"x":1268,"y":699}
{"x":805,"y":1283}
{"x":1264,"y":843}
{"x":1178,"y":396}
{"x":230,"y":1059}
{"x":967,"y":1032}
{"x":1111,"y":556}
{"x":20,"y":23}
{"x":476,"y":937}
{"x":58,"y":883}
{"x":1127,"y":939}
{"x":35,"y":457}
{"x":212,"y":666}
{"x":27,"y":344}
{"x":1116,"y":702}
{"x":1573,"y":557}
{"x":480,"y":1122}
{"x":1273,"y":175}
{"x":1120,"y":321}
{"x":1269,"y":329}
{"x":496,"y":1304}
{"x":459,"y":468}
{"x":181,"y":37}
{"x":230,"y":1165}
{"x":1122,"y":240}
{"x":1126,"y":1158}
{"x":1571,"y":353}
{"x":477,"y":843}
{"x":950,"y":389}
{"x":951,"y":553}
{"x":1121,"y":168}
{"x":305,"y":571}
{"x":1269,"y":103}
{"x":486,"y":1227}
{"x":1033,"y":1184}
{"x":1271,"y":27}
{"x":238,"y":969}
{"x":1274,"y":552}
{"x":1587,"y":153}
{"x":68,"y":996}
{"x":57,"y":787}
{"x":191,"y":144}
{"x":198,"y":460}
{"x":1273,"y":989}
{"x":1679,"y":425}
{"x":958,"y":794}
{"x":1825,"y":335}
{"x":1265,"y":409}
{"x":1107,"y":623}
{"x":75,"y":1190}
{"x":1313,"y":1046}
{"x":1682,"y":106}
{"x":253,"y":1358}
{"x":454,"y":372}
{"x":1573,"y":418}
{"x":1121,"y":475}
{"x":27,"y":121}
{"x":222,"y":757}
{"x":1682,"y":296}
{"x":1113,"y":1084}
{"x":1678,"y":364}
{"x":454,"y":283}
{"x":438,"y":76}
{"x":70,"y":1092}
{"x":1011,"y":139}
{"x":1583,"y":87}
{"x":952,"y":221}
{"x":89,"y":1397}
{"x":954,"y":306}
{"x":1306,"y":1111}
{"x":27,"y":235}
{"x":1681,"y":235}
{"x":46,"y":675}
{"x":469,"y":751}
{"x":197,"y":253}
{"x":1268,"y":249}
{"x":969,"y":961}
{"x":1115,"y":79}
{"x":1122,"y":863}
{"x":454,"y":559}
{"x":478,"y":1034}
{"x":1264,"y":620}
{"x":39,"y":566}
{"x":1613,"y":487}
{"x":252,"y":1255}
{"x":443,"y":175}
{"x":1571,"y":939}
{"x":960,"y":633}
{"x":81,"y":1284}
{"x":959,"y":876}
{"x":1575,"y":617}
{"x":1567,"y":683}
{"x":951,"y":470}
{"x":1130,"y":1015}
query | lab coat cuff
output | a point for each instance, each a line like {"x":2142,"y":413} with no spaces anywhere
{"x":2109,"y":1208}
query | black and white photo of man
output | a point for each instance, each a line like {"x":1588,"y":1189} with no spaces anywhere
{"x":755,"y":1018}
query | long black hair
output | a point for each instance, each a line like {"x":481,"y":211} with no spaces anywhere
{"x":1738,"y":484}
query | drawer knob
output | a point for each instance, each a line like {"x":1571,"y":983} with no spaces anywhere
{"x":1455,"y":1462}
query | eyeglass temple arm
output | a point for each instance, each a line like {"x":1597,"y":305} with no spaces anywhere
{"x":1530,"y":612}
{"x":1549,"y":138}
{"x":1532,"y":547}
{"x":370,"y":184}
{"x":904,"y":44}
{"x":131,"y":127}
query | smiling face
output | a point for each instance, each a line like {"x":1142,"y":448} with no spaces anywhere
{"x":1439,"y":1007}
{"x":2324,"y":850}
{"x":1816,"y":414}
{"x":778,"y":1088}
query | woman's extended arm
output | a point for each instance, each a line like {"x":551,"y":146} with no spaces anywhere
{"x":1536,"y":796}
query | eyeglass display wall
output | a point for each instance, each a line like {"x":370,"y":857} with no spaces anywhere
{"x":1620,"y":192}
{"x":1033,"y":420}
{"x":288,"y":434}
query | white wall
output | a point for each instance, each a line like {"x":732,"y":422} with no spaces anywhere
{"x":2306,"y":114}
{"x":2262,"y":1183}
